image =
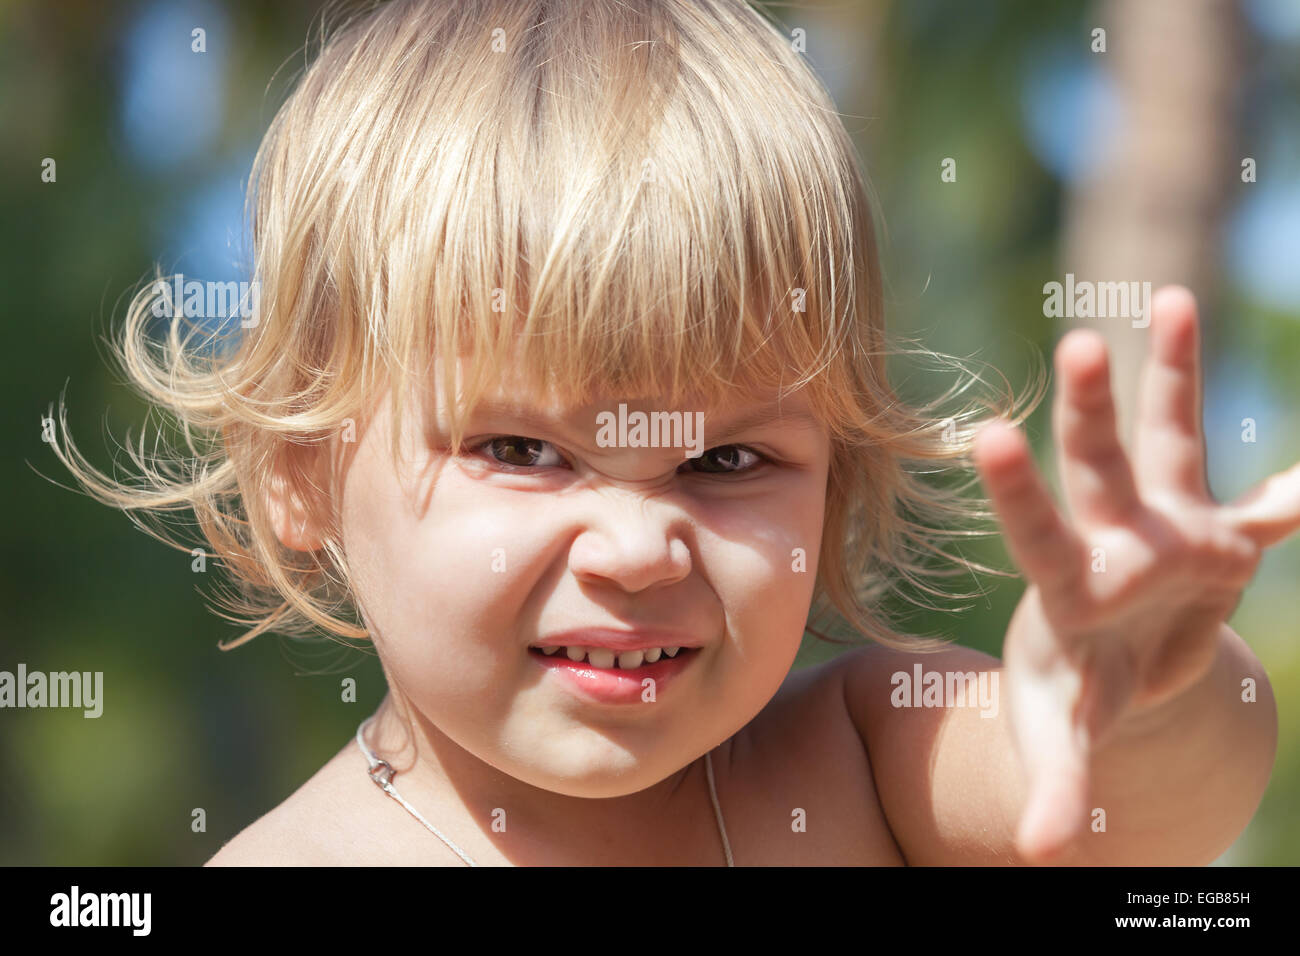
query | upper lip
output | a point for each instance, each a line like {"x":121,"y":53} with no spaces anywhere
{"x":618,"y":640}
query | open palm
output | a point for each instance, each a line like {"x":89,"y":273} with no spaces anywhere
{"x":1128,"y":597}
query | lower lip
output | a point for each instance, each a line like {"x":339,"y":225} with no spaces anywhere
{"x":615,"y":686}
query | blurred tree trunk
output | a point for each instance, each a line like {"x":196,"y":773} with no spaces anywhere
{"x":1154,"y":209}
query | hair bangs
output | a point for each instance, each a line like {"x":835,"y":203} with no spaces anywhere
{"x":638,"y":218}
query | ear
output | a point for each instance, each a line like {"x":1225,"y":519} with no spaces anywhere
{"x":291,"y":499}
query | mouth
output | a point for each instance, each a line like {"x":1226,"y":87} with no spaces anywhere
{"x":606,"y":658}
{"x":600,"y":675}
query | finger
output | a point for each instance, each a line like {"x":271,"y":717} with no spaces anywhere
{"x":1041,"y":543}
{"x":1095,"y":470}
{"x":1055,"y":758}
{"x":1270,"y":511}
{"x":1169,"y":438}
{"x":1056,"y":811}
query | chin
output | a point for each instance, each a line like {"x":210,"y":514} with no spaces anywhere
{"x":597,"y":771}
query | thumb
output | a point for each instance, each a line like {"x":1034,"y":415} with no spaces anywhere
{"x":1054,"y":753}
{"x":1056,"y":809}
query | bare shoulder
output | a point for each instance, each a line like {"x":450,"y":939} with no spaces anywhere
{"x":318,"y":825}
{"x":945,"y":765}
{"x":874,"y":677}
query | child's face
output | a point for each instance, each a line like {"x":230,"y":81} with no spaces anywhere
{"x":460,"y":564}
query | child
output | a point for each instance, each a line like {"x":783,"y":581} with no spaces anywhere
{"x":566,"y":387}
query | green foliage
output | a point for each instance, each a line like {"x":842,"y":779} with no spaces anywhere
{"x":188,"y":725}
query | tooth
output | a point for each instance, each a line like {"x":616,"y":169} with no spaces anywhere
{"x":630,"y":659}
{"x":653,"y":654}
{"x":548,"y":651}
{"x":600,"y":657}
{"x":671,"y":651}
{"x":576,"y":653}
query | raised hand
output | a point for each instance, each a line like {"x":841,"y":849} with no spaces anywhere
{"x":1128,"y":598}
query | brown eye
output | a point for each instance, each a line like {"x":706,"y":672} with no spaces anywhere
{"x":726,"y":460}
{"x":520,"y":452}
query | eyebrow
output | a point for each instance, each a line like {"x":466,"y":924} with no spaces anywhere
{"x":755,"y":418}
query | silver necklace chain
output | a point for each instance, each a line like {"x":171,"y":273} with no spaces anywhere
{"x":382,"y":773}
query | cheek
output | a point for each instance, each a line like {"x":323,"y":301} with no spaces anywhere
{"x":427,"y":570}
{"x":775,"y":540}
{"x":762,"y":564}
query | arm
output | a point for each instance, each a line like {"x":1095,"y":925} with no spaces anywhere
{"x":1177,"y":784}
{"x":1121,"y":683}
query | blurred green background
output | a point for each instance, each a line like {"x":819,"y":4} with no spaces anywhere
{"x":1113,"y":164}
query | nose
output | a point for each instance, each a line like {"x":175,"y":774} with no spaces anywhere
{"x":634,"y":543}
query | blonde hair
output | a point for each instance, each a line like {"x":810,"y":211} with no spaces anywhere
{"x":652,"y":196}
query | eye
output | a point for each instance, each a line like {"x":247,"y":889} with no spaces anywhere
{"x":517,"y":451}
{"x":726,"y":460}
